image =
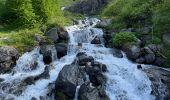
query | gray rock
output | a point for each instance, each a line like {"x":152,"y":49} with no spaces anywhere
{"x":160,"y":79}
{"x":133,"y":52}
{"x":49,"y":53}
{"x":140,"y":60}
{"x":166,"y":38}
{"x":84,"y":59}
{"x":87,"y":6}
{"x":53,"y":34}
{"x":154,"y":48}
{"x":63,"y":36}
{"x":61,"y":49}
{"x":159,"y":61}
{"x":117,"y":53}
{"x":150,"y":58}
{"x":88,"y":92}
{"x":69,"y":77}
{"x":8,"y":57}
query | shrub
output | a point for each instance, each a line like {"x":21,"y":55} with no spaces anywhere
{"x":122,"y":38}
{"x":161,"y":17}
{"x":20,"y":13}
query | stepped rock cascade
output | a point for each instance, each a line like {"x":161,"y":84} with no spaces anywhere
{"x":124,"y":80}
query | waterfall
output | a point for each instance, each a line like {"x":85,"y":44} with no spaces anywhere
{"x":124,"y":80}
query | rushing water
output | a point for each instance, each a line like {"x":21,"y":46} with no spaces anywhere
{"x":125,"y":81}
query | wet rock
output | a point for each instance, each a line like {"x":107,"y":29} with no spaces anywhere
{"x":160,"y":79}
{"x":61,"y":49}
{"x":53,"y":34}
{"x":117,"y":53}
{"x":139,"y":66}
{"x":49,"y":53}
{"x":81,"y":54}
{"x":68,"y":79}
{"x":96,"y":78}
{"x":63,"y":36}
{"x":8,"y":57}
{"x":83,"y":60}
{"x":96,"y":40}
{"x":88,"y":92}
{"x":102,"y":67}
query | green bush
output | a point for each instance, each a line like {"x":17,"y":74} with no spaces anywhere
{"x":20,"y":13}
{"x":122,"y":38}
{"x":161,"y":17}
{"x":32,"y":13}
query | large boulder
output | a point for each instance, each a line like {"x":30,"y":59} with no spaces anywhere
{"x":61,"y":49}
{"x":8,"y":57}
{"x":160,"y":79}
{"x":57,"y":35}
{"x":53,"y":34}
{"x":49,"y":53}
{"x":132,"y":52}
{"x":68,"y":79}
{"x":88,"y":92}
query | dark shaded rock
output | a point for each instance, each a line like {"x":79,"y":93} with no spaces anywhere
{"x":83,"y":60}
{"x":53,"y":35}
{"x":8,"y":57}
{"x":132,"y":52}
{"x":139,"y":66}
{"x":96,"y":40}
{"x":159,"y":61}
{"x":63,"y":36}
{"x":69,"y":78}
{"x":117,"y":53}
{"x":140,"y":60}
{"x":102,"y":67}
{"x":81,"y":54}
{"x":61,"y":49}
{"x":149,"y":58}
{"x":154,"y":48}
{"x":96,"y":78}
{"x":49,"y":53}
{"x":87,"y":6}
{"x":160,"y":79}
{"x":88,"y":92}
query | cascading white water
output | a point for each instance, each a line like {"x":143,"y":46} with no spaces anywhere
{"x":125,"y":81}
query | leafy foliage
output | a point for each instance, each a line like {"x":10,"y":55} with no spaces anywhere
{"x":161,"y":17}
{"x":123,"y":37}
